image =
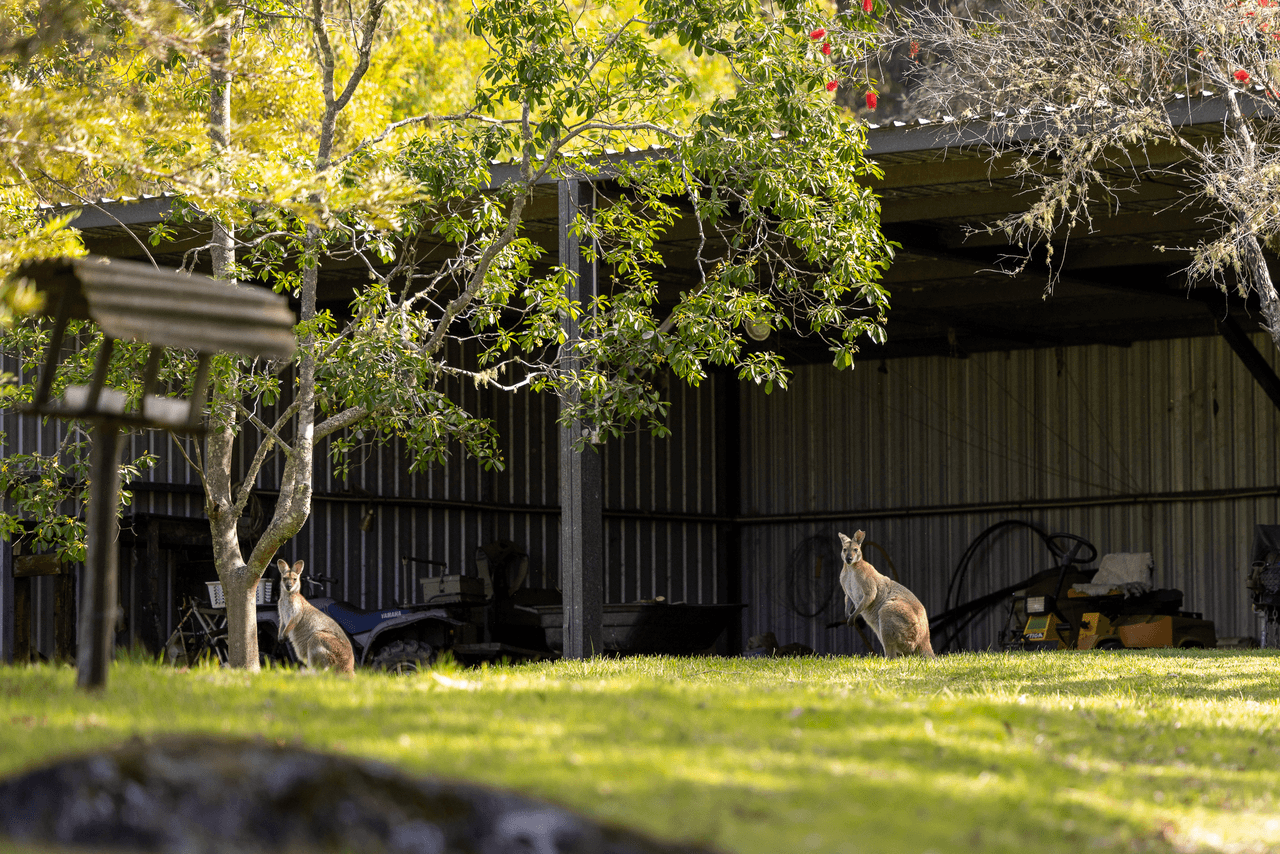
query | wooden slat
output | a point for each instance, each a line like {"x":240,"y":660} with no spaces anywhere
{"x":27,"y":566}
{"x":134,"y":301}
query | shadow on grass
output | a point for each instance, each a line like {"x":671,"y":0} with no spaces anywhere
{"x":991,"y":753}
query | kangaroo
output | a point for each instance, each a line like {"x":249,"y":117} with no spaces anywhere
{"x":891,"y":610}
{"x":316,"y":639}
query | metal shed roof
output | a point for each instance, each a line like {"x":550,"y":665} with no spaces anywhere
{"x":1121,"y":282}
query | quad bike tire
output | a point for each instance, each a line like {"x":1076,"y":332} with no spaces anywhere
{"x":273,"y":649}
{"x":404,"y":656}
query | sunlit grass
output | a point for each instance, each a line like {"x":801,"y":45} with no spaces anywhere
{"x":1159,"y":751}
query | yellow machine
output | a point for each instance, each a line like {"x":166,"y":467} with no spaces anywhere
{"x":1143,"y":631}
{"x":1112,"y":620}
{"x":1069,"y":606}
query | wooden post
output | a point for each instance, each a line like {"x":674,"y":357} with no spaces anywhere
{"x":728,"y":397}
{"x":26,"y":568}
{"x":21,"y":620}
{"x":155,"y":635}
{"x":581,"y":520}
{"x":99,"y":592}
{"x":64,"y":616}
{"x":7,"y":557}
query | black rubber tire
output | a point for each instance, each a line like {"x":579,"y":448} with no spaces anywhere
{"x":1111,"y":643}
{"x":404,"y":656}
{"x":277,"y":651}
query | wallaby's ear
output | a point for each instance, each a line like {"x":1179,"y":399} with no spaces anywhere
{"x":844,"y":541}
{"x":859,"y":537}
{"x":284,"y":567}
{"x":297,"y":567}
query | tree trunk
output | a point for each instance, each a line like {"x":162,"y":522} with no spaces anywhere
{"x":239,"y":588}
{"x":1268,"y":300}
{"x":1256,"y":273}
{"x":293,"y":507}
{"x":238,"y":582}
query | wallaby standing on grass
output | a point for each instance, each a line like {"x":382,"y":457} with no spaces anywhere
{"x":891,"y":610}
{"x":316,"y":639}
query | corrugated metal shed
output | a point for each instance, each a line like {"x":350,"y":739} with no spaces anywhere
{"x":1167,"y":447}
{"x":1162,"y":442}
{"x":662,"y":533}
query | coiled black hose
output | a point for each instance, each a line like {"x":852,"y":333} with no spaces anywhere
{"x":962,"y":568}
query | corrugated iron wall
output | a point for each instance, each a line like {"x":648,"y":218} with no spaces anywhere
{"x":660,"y":499}
{"x":1167,"y":447}
{"x":446,"y":513}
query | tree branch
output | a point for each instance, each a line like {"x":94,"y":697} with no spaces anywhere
{"x":262,"y":425}
{"x":342,"y":420}
{"x":195,"y":464}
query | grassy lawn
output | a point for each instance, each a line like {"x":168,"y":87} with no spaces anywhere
{"x":1051,"y":752}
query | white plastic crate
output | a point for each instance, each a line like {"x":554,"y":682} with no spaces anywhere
{"x":217,"y":600}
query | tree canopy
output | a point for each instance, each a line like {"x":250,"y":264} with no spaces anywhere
{"x":1083,"y":98}
{"x":314,"y":133}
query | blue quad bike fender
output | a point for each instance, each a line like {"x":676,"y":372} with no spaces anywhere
{"x":368,"y":640}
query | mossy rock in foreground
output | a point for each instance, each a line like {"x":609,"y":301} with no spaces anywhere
{"x":205,"y":795}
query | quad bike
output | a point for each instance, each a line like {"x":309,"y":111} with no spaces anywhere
{"x":399,"y":639}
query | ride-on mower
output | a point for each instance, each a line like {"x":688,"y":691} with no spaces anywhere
{"x":1112,"y":607}
{"x":474,"y":618}
{"x":1069,"y":606}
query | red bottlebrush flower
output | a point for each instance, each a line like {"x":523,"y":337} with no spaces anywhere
{"x":831,"y":85}
{"x":915,"y":48}
{"x":1241,"y":75}
{"x":868,"y":5}
{"x":817,"y":34}
{"x":826,"y":48}
{"x":871,"y":100}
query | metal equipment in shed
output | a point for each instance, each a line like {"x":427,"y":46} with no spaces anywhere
{"x":1264,"y":582}
{"x":1113,"y":607}
{"x":138,"y":302}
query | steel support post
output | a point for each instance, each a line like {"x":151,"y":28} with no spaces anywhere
{"x":100,"y":589}
{"x":6,"y":603}
{"x":581,"y":522}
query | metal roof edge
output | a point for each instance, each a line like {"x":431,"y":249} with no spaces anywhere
{"x":894,"y":138}
{"x":949,"y":132}
{"x":105,"y":213}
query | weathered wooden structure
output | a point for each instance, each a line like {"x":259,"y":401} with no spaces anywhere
{"x":132,"y":301}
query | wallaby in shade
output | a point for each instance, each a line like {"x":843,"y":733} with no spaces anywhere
{"x":891,"y":610}
{"x":317,"y":640}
